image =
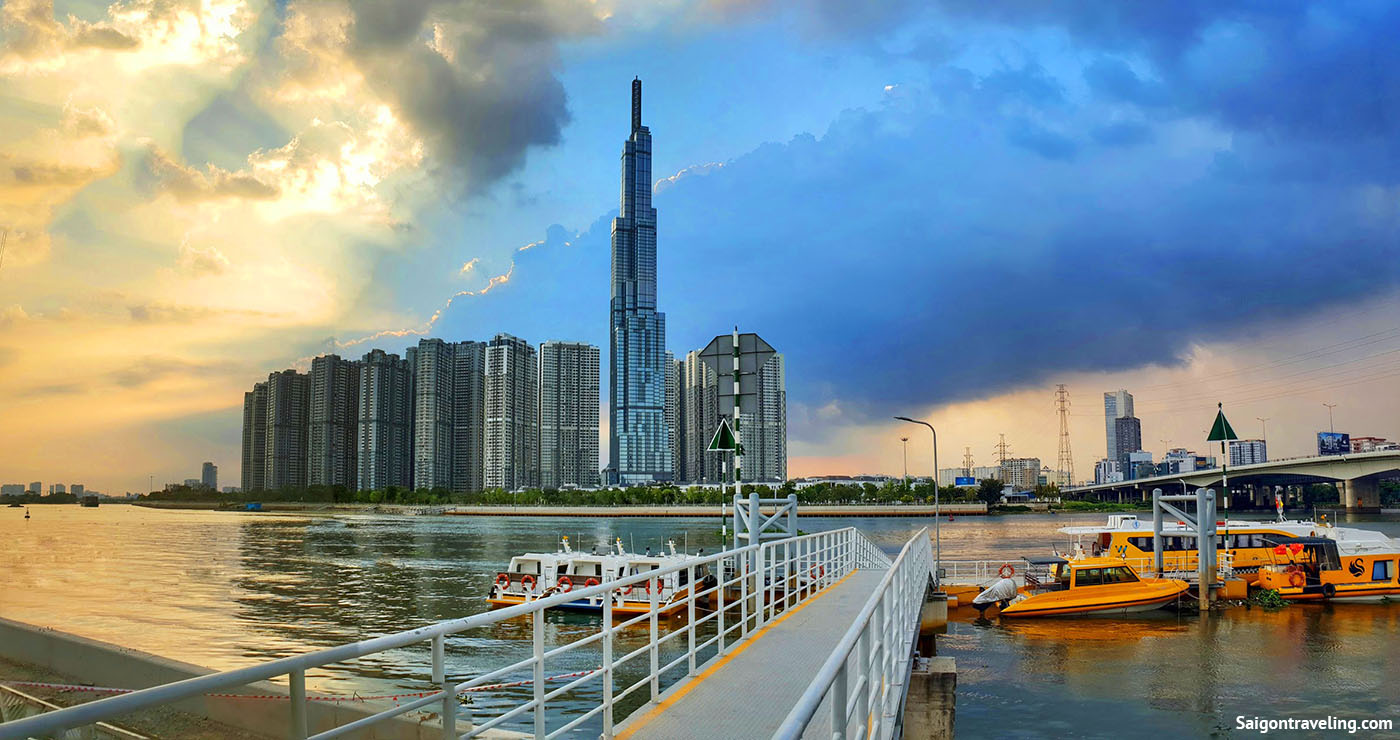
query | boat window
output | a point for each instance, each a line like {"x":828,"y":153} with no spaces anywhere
{"x":1088,"y":577}
{"x":1141,"y":543}
{"x":1382,"y":570}
{"x":1121,"y":574}
{"x":682,"y":577}
{"x":526,"y":566}
{"x":563,"y":569}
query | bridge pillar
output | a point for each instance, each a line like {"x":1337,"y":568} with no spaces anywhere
{"x":1361,"y":493}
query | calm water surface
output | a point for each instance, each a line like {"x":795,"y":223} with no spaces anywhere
{"x":227,"y":589}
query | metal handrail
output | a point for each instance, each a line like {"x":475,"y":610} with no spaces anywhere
{"x":883,"y":633}
{"x":835,"y":553}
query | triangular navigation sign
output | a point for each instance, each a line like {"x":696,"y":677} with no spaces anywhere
{"x":724,"y":437}
{"x":1221,"y":430}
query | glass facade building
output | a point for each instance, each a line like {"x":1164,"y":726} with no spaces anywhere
{"x":639,"y":448}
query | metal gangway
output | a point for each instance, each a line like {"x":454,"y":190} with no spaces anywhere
{"x":765,"y":625}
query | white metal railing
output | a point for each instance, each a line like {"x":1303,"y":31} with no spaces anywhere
{"x":753,"y":583}
{"x":868,"y":671}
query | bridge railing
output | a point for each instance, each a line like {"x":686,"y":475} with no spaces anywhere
{"x":866,"y":674}
{"x":753,"y":583}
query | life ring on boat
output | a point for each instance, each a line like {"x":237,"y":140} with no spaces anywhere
{"x":1291,"y":568}
{"x":1006,"y":570}
{"x":590,"y":583}
{"x":503,"y":580}
{"x":624,"y":590}
{"x":817,"y":571}
{"x":566,"y":583}
{"x":646,"y":586}
{"x":527,"y":582}
{"x":1329,"y":590}
{"x":1297,"y":580}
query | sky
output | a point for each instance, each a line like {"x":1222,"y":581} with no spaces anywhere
{"x":933,"y":209}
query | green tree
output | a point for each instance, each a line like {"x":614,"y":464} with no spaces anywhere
{"x":989,"y":491}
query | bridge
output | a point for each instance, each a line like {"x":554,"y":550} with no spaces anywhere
{"x":810,"y":635}
{"x":1358,"y":477}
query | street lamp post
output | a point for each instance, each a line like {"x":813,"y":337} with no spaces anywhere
{"x":1330,"y":426}
{"x":1263,"y":428}
{"x":937,"y":537}
{"x":905,"y":442}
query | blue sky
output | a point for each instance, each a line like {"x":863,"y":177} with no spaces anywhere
{"x":925,"y":206}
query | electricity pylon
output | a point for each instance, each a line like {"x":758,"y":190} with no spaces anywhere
{"x":1066,"y":463}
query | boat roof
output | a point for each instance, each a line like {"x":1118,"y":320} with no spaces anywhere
{"x":1045,"y":561}
{"x":1275,"y":539}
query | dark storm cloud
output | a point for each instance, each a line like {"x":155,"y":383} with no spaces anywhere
{"x":486,"y":91}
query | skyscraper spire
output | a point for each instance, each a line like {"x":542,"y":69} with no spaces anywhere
{"x":636,"y":103}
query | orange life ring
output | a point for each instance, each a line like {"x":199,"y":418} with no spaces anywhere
{"x":646,"y":585}
{"x":590,"y":583}
{"x":503,"y":580}
{"x":624,"y":590}
{"x":567,"y":583}
{"x":1296,"y":579}
{"x":1006,"y":570}
{"x":527,"y":582}
{"x":1291,"y":568}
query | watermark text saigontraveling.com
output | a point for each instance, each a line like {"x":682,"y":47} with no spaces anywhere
{"x":1264,"y":725}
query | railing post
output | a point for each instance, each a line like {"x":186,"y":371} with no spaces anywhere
{"x":690,"y":617}
{"x":863,"y":700}
{"x":760,"y":587}
{"x":652,"y":594}
{"x":719,"y":601}
{"x":539,"y":674}
{"x":296,"y":680}
{"x":607,"y":665}
{"x":449,"y":702}
{"x":838,"y":705}
{"x":747,"y":560}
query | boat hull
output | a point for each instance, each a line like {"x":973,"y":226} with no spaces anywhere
{"x":1069,"y":604}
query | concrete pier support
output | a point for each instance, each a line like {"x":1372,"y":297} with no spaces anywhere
{"x":929,"y":710}
{"x":1361,"y":493}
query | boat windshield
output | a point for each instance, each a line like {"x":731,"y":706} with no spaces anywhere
{"x":1104,"y":576}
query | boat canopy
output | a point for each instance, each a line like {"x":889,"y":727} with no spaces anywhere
{"x":1046,"y":561}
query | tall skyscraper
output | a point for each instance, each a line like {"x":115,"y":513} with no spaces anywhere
{"x":763,"y":432}
{"x":699,"y":402}
{"x":512,"y":414}
{"x":288,"y":396}
{"x":568,"y":414}
{"x":254,"y":438}
{"x":333,"y":422}
{"x":1127,"y":436}
{"x":469,"y":417}
{"x":639,"y":449}
{"x":1116,"y":405}
{"x":673,"y":415}
{"x":449,"y":397}
{"x":384,"y":453}
{"x":208,"y":477}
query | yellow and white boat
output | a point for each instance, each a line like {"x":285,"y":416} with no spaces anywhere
{"x":1088,"y":586}
{"x":1313,"y":569}
{"x":536,"y":575}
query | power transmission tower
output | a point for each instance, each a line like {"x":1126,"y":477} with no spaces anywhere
{"x":967,"y":461}
{"x":1066,"y":463}
{"x":1002,"y":450}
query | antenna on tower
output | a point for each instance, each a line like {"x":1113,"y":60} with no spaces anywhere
{"x":1002,"y":449}
{"x":967,"y":461}
{"x":1066,"y":463}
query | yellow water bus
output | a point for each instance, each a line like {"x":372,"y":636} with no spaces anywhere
{"x":1097,"y":586}
{"x":1312,"y":568}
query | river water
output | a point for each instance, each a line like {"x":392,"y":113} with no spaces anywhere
{"x":226,"y":589}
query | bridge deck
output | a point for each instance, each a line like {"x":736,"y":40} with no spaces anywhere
{"x":748,"y":693}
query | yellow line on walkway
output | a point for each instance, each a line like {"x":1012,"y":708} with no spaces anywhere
{"x":692,"y":683}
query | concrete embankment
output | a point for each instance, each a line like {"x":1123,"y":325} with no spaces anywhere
{"x":45,"y":651}
{"x":805,"y":510}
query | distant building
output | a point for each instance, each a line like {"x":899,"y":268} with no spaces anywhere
{"x":1248,"y":452}
{"x":1127,"y":438}
{"x":78,"y":489}
{"x":1140,"y":465}
{"x":384,"y":446}
{"x":209,"y":476}
{"x":949,"y":476}
{"x":512,"y":414}
{"x":12,"y":489}
{"x":1108,"y":471}
{"x":449,"y":408}
{"x":288,"y":403}
{"x":697,"y":418}
{"x":192,"y":483}
{"x":57,"y":488}
{"x":673,"y":412}
{"x":36,"y":487}
{"x":1372,"y":444}
{"x":254,"y":438}
{"x":232,"y":489}
{"x":1116,"y":405}
{"x":1021,"y":473}
{"x":332,"y":422}
{"x":569,"y":414}
{"x":1180,"y":460}
{"x":705,"y":396}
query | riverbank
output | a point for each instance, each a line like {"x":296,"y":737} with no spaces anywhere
{"x":607,"y":512}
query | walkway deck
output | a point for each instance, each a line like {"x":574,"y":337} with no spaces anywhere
{"x":748,"y":692}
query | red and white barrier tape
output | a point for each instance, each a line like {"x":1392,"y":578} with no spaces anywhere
{"x":391,"y":697}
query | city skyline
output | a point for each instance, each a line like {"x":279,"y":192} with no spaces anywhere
{"x":303,"y":199}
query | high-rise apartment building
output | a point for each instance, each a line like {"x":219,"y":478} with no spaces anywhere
{"x":333,"y":422}
{"x":208,"y":476}
{"x":384,"y":452}
{"x":673,"y":413}
{"x":1127,"y":439}
{"x":449,"y":398}
{"x":254,"y":438}
{"x":639,"y":449}
{"x":705,"y":395}
{"x":568,"y":414}
{"x":1021,"y":473}
{"x":1116,"y":405}
{"x":288,"y":397}
{"x":1248,"y":452}
{"x":512,"y":414}
{"x":469,"y":417}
